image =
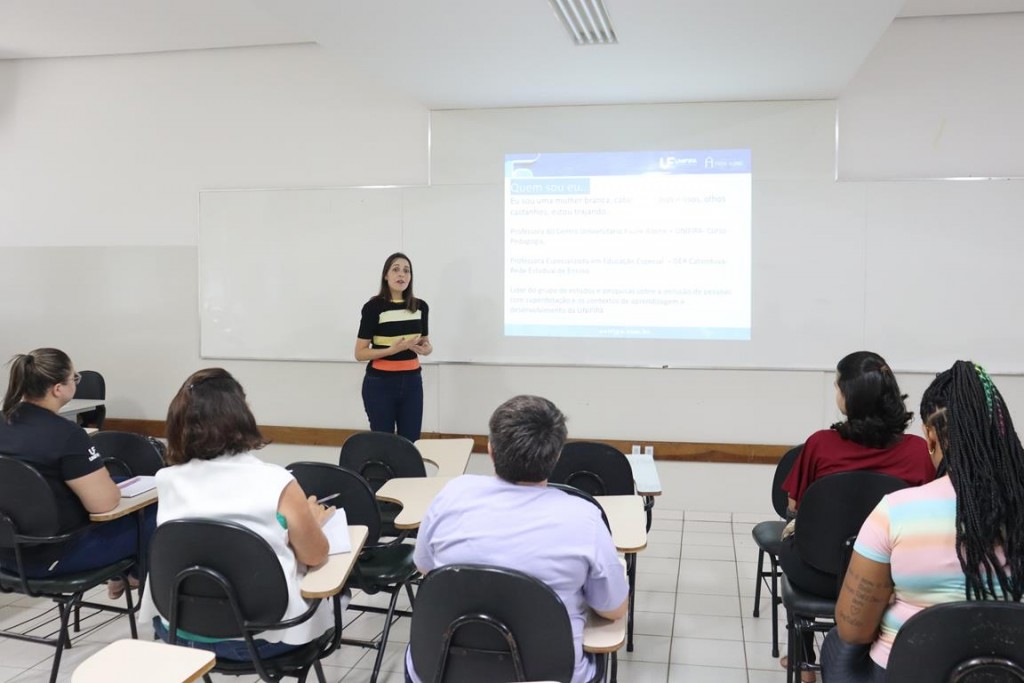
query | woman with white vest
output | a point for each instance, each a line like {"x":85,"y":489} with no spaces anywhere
{"x":212,"y":438}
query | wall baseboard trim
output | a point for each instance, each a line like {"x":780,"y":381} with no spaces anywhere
{"x":672,"y":451}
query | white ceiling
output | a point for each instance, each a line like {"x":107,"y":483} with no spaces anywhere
{"x":485,"y":53}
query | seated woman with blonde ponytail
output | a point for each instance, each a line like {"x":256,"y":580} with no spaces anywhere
{"x":31,"y":430}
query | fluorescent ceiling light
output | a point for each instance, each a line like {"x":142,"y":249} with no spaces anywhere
{"x":586,"y":21}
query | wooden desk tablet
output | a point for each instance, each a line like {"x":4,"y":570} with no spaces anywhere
{"x":126,"y":507}
{"x":129,"y":661}
{"x":78,"y":405}
{"x":628,"y":521}
{"x":602,"y":635}
{"x":645,"y":474}
{"x":414,"y":494}
{"x":450,"y":456}
{"x":329,"y":578}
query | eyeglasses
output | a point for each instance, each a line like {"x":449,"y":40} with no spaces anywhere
{"x":78,"y":378}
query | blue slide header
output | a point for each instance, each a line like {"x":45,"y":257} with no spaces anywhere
{"x":560,"y":165}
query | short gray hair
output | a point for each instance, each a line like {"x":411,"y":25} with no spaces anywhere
{"x":527,"y":434}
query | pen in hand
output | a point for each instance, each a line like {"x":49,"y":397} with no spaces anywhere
{"x":325,"y":499}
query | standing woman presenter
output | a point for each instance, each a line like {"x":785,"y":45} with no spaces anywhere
{"x":392,"y":336}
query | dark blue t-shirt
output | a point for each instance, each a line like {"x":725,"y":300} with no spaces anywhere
{"x":58,"y":449}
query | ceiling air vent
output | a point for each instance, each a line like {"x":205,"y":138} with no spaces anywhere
{"x":586,"y":21}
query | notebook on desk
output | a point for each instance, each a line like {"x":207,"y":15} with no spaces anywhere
{"x":336,"y":531}
{"x":136,"y":486}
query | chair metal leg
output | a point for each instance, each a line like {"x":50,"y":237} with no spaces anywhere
{"x":384,"y":636}
{"x":65,"y":615}
{"x":758,"y":578}
{"x":319,"y":671}
{"x":615,"y":667}
{"x":631,"y":576}
{"x":790,"y":647}
{"x":131,"y":612}
{"x":776,"y":601}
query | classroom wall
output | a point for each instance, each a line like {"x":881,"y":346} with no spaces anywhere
{"x":101,"y":162}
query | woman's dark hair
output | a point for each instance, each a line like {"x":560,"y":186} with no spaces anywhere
{"x":876,"y":415}
{"x":33,"y":374}
{"x":986,"y":468}
{"x":385,"y":292}
{"x":527,"y":434}
{"x":209,"y":417}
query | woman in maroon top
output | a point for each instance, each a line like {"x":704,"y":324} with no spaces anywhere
{"x":870,"y":438}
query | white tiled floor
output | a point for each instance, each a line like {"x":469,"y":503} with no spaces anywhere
{"x":694,"y":601}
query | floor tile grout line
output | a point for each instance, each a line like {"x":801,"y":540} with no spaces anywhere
{"x":675,"y":603}
{"x":739,"y":596}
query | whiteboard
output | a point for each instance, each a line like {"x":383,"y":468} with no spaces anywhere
{"x":923,"y":272}
{"x":283,"y":274}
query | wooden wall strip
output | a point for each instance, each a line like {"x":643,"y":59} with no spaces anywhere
{"x":678,"y":451}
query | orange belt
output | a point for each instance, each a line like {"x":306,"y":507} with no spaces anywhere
{"x":395,"y":365}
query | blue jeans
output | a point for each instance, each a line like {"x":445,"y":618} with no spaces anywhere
{"x":102,"y":544}
{"x":233,"y":649}
{"x":394,"y":404}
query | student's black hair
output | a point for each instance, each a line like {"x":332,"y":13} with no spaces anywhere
{"x":876,"y":415}
{"x":526,"y":434}
{"x":411,"y":302}
{"x":985,"y":461}
{"x":33,"y":374}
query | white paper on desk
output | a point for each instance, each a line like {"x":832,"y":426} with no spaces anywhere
{"x":336,"y":531}
{"x":136,"y":486}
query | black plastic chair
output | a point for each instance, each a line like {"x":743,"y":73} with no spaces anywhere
{"x":594,"y":467}
{"x":384,"y":568}
{"x":478,"y":623}
{"x":220,"y":580}
{"x":378,"y":457}
{"x":768,"y":537}
{"x":600,"y":470}
{"x":831,"y":514}
{"x":960,"y":642}
{"x":579,"y":493}
{"x":127,"y":454}
{"x":94,"y":387}
{"x":28,"y":517}
{"x":573,"y":491}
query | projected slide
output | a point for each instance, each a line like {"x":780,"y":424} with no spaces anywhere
{"x":639,"y":245}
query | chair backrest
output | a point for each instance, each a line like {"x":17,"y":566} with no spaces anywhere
{"x":27,"y":504}
{"x":832,"y":510}
{"x":128,"y":454}
{"x":594,"y":467}
{"x":780,"y":499}
{"x":92,"y":385}
{"x":960,"y":641}
{"x":477,"y":623}
{"x":573,"y":491}
{"x":199,"y":567}
{"x":379,"y":456}
{"x":322,"y":479}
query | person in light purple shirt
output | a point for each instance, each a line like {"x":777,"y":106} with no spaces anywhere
{"x":515,"y":521}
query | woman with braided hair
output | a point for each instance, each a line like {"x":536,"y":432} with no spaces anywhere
{"x":959,"y":537}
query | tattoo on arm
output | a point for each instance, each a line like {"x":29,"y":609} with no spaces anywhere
{"x":863,"y":595}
